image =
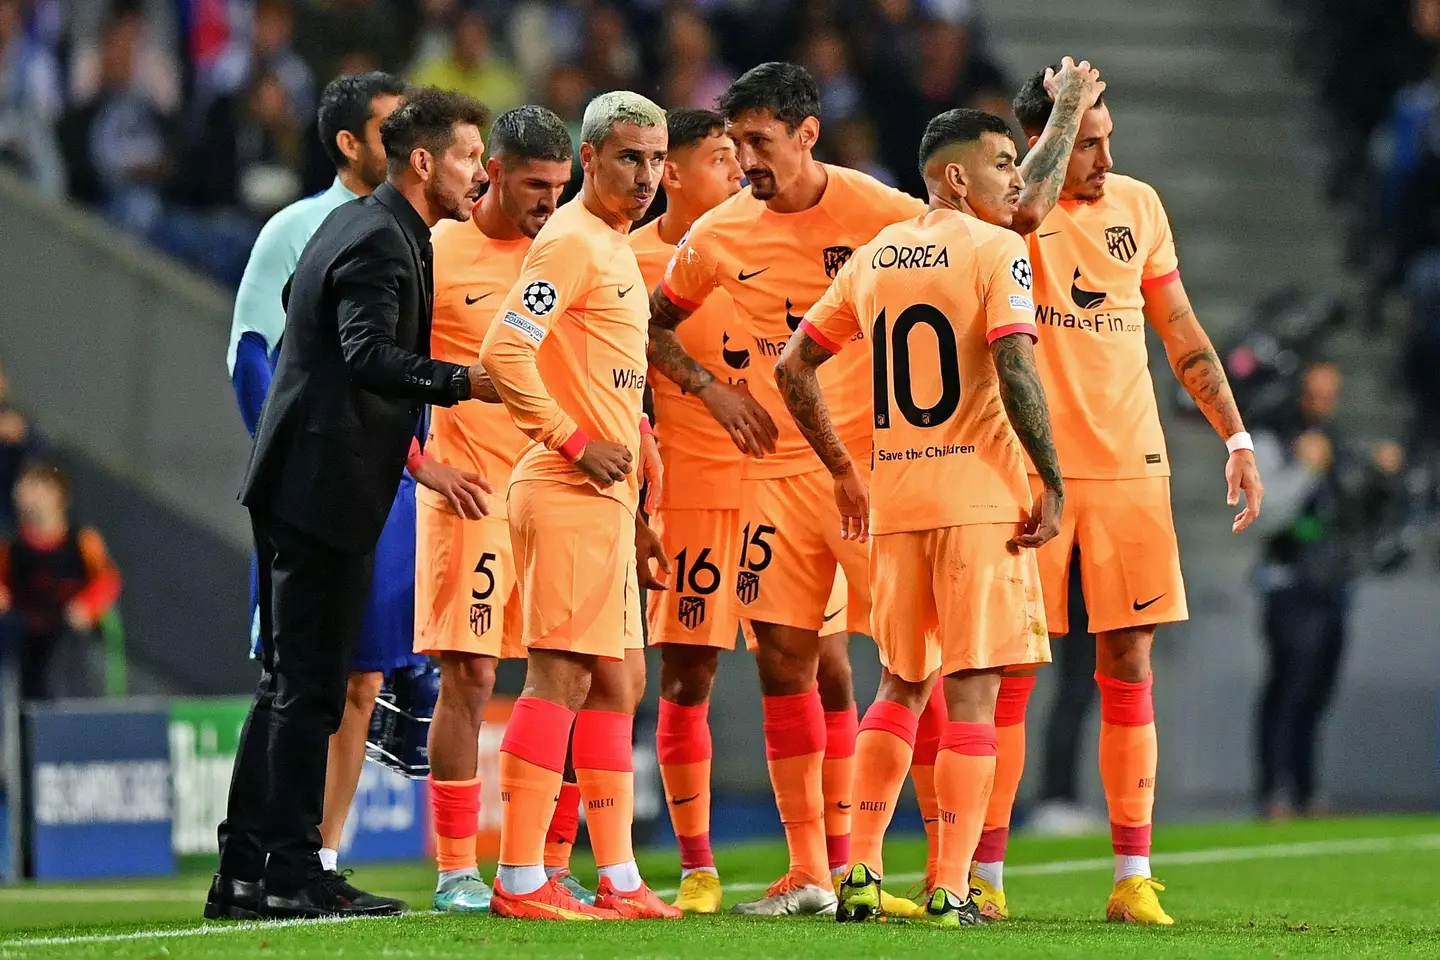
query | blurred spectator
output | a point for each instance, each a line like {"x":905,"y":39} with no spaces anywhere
{"x":1327,"y":508}
{"x":567,"y":90}
{"x":269,"y":50}
{"x":249,"y":155}
{"x":18,"y":443}
{"x":852,"y":143}
{"x":327,"y":31}
{"x":693,"y":77}
{"x":31,"y":101}
{"x":437,"y":26}
{"x":59,"y":582}
{"x":824,"y":54}
{"x":546,"y":32}
{"x":154,"y":75}
{"x":472,"y":66}
{"x":117,"y":143}
{"x":611,"y":57}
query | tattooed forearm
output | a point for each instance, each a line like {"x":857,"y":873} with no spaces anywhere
{"x":800,"y":386}
{"x":1044,"y":166}
{"x":665,"y":353}
{"x":1203,"y":377}
{"x":1024,"y":398}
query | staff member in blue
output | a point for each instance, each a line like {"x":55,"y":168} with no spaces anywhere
{"x":349,"y":117}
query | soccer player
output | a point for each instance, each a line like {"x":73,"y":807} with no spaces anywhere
{"x":467,"y":610}
{"x":940,"y":306}
{"x":1105,"y":265}
{"x":774,"y":247}
{"x":349,"y":117}
{"x":568,"y":358}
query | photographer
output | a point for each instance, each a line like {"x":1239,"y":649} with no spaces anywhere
{"x":1327,"y":510}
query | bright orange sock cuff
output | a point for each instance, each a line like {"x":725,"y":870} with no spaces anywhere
{"x":1125,"y":704}
{"x":456,"y":807}
{"x":794,"y":725}
{"x":1014,"y":698}
{"x":682,"y":734}
{"x":891,"y":718}
{"x":841,"y":728}
{"x":931,"y":727}
{"x":538,"y":732}
{"x":565,"y":822}
{"x":604,"y":741}
{"x":970,"y":739}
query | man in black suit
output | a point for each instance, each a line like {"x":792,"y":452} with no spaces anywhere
{"x":341,"y":417}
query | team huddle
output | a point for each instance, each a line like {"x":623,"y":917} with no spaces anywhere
{"x":871,"y":414}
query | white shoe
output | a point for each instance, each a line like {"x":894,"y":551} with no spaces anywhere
{"x":788,"y":897}
{"x":1057,"y":818}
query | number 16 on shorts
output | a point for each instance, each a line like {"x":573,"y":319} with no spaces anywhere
{"x":698,"y":608}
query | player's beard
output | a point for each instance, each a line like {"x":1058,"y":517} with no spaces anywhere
{"x":766,"y":188}
{"x":371,"y":169}
{"x":453,"y":205}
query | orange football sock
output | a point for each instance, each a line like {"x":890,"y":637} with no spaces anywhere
{"x":922,"y":773}
{"x":564,"y":826}
{"x":964,"y":775}
{"x":882,"y":749}
{"x":795,"y":754}
{"x":1129,"y":754}
{"x":604,"y":766}
{"x":455,"y":807}
{"x":1009,"y":767}
{"x":683,"y":748}
{"x":837,"y":782}
{"x":532,"y":760}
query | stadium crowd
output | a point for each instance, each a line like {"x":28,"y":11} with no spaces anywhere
{"x":189,"y":123}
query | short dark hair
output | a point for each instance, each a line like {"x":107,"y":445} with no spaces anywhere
{"x":1033,"y":105}
{"x":47,"y":471}
{"x":346,"y":105}
{"x":427,"y":119}
{"x":785,"y":89}
{"x":962,"y":125}
{"x":688,"y":127}
{"x":531,"y":133}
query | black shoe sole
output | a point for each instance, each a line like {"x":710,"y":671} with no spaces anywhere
{"x":214,"y":911}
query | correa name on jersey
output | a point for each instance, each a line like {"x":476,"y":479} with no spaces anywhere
{"x":1102,"y":322}
{"x":906,"y":257}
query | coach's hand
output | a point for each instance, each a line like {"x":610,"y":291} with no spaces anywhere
{"x":482,"y":388}
{"x":1079,"y":77}
{"x":1044,"y":523}
{"x":647,"y":548}
{"x":464,"y":490}
{"x":852,"y":496}
{"x":1242,"y":475}
{"x":652,"y":472}
{"x":605,"y":462}
{"x":743,"y":418}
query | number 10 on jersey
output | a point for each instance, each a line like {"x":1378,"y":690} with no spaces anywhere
{"x":892,"y":350}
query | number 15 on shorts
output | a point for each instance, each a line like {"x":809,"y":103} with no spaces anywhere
{"x":755,"y":555}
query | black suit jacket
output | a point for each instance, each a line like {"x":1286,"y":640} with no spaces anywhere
{"x":353,"y":375}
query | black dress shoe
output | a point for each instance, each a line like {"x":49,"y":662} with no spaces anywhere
{"x":232,"y":899}
{"x":328,"y":894}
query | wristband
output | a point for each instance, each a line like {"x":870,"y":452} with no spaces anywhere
{"x":645,"y":428}
{"x":574,"y":448}
{"x":1240,"y":441}
{"x":415,"y":457}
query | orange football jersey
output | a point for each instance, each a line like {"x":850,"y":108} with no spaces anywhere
{"x":775,"y":266}
{"x":920,"y":305}
{"x":1092,"y":260}
{"x":567,"y":349}
{"x":472,"y":274}
{"x":702,"y":464}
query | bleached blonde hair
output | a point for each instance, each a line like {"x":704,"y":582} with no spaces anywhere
{"x":618,"y":106}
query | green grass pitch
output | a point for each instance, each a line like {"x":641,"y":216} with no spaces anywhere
{"x":1321,"y":888}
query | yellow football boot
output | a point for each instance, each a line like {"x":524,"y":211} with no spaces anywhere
{"x":699,"y":893}
{"x":1134,"y":900}
{"x":990,"y":900}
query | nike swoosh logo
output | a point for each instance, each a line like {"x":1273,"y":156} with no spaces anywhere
{"x":1050,"y":234}
{"x":832,"y":616}
{"x":931,"y":819}
{"x":627,"y":289}
{"x":843,"y":806}
{"x":471,"y":301}
{"x":742,"y":276}
{"x":683,"y":800}
{"x":1141,"y":606}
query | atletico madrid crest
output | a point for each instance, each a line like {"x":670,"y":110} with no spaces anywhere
{"x":1120,"y":242}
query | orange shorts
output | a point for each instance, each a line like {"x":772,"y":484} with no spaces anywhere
{"x":956,"y":599}
{"x":1129,"y":556}
{"x":466,"y":598}
{"x":699,"y":607}
{"x":837,"y":614}
{"x":790,"y":550}
{"x":575,"y":555}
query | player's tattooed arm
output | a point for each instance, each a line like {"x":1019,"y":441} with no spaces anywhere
{"x":799,"y":382}
{"x":1192,"y":356}
{"x":1074,"y":90}
{"x":1025,"y":404}
{"x":665,"y":352}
